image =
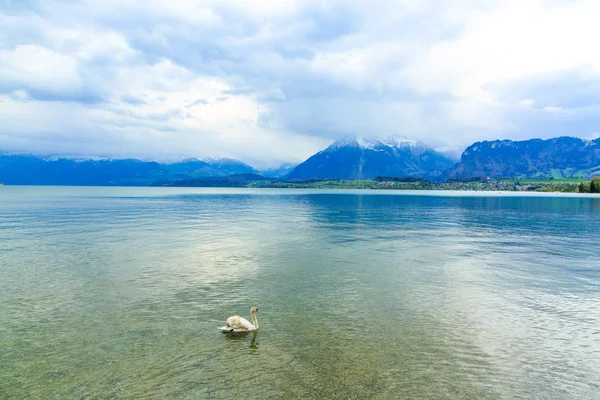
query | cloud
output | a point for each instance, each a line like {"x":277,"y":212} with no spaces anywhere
{"x":133,"y":100}
{"x":275,"y":81}
{"x":40,"y":69}
{"x":198,"y":102}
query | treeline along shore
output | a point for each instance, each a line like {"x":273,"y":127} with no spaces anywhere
{"x":400,"y":183}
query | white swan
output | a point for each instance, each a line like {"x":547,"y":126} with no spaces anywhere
{"x":239,"y":324}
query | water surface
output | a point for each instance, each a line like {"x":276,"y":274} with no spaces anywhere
{"x":118,"y":293}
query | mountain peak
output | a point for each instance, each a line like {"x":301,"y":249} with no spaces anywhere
{"x":373,"y":143}
{"x":212,"y":159}
{"x":191,"y":160}
{"x":346,"y":141}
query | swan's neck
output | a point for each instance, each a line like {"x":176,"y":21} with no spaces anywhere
{"x":254,"y":320}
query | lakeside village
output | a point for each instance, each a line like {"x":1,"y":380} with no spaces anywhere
{"x":471,"y":184}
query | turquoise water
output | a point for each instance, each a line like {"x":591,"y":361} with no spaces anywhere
{"x":118,"y":293}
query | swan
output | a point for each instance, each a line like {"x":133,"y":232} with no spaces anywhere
{"x":239,"y":324}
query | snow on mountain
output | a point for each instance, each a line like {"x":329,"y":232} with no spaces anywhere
{"x":397,"y":141}
{"x":374,"y":143}
{"x":368,"y":142}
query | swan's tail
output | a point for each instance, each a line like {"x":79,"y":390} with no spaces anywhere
{"x":226,"y":329}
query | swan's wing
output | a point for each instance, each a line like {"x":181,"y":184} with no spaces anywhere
{"x":233,"y":321}
{"x":243,"y":323}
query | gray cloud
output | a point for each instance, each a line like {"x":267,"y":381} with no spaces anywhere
{"x":198,"y":102}
{"x":133,"y":99}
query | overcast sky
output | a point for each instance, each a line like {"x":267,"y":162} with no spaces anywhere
{"x":274,"y":81}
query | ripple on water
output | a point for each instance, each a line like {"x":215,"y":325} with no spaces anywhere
{"x":118,"y":293}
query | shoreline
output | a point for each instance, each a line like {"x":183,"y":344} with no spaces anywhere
{"x":157,"y":191}
{"x":513,"y":185}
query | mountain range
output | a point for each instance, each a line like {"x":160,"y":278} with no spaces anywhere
{"x":348,"y":158}
{"x":19,"y":169}
{"x":562,"y":157}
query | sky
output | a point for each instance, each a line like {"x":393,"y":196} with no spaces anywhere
{"x":274,"y":81}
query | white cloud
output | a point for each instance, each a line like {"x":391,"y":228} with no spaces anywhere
{"x":40,"y":68}
{"x":553,"y":109}
{"x":512,"y":41}
{"x":527,"y":103}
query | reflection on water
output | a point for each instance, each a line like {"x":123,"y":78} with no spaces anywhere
{"x":118,"y":293}
{"x":245,"y":339}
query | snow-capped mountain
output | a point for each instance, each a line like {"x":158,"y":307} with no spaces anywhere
{"x":368,"y":157}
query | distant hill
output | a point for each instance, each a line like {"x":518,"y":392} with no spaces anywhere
{"x":19,"y":169}
{"x":236,"y":180}
{"x":562,"y":157}
{"x":32,"y":170}
{"x":279,"y":172}
{"x":194,"y":167}
{"x":366,"y":157}
{"x":228,"y":166}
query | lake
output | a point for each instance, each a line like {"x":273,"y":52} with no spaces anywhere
{"x":118,"y":293}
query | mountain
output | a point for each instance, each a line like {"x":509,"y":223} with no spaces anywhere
{"x":367,"y":157}
{"x":192,"y":167}
{"x":32,"y":170}
{"x":228,"y":166}
{"x":279,"y":172}
{"x":562,"y":157}
{"x":20,"y":169}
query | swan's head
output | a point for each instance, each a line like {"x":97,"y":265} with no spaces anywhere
{"x":253,"y":310}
